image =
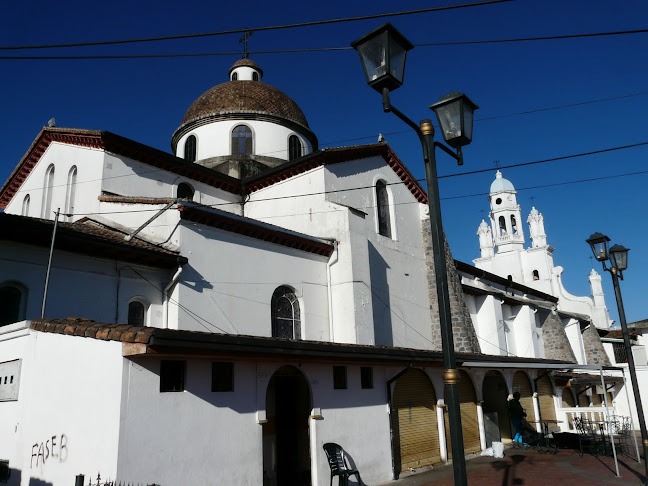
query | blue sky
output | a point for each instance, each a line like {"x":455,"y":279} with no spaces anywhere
{"x":145,"y":99}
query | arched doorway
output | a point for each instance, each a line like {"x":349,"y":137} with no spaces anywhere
{"x":545,"y":398}
{"x":495,"y":407}
{"x":469,"y":421}
{"x":414,"y":422}
{"x":286,"y":445}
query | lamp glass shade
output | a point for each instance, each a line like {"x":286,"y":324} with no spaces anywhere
{"x":455,"y":115}
{"x":619,"y":257}
{"x":598,"y":242}
{"x":382,"y":53}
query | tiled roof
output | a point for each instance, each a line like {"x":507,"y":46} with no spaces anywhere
{"x":86,"y":237}
{"x":166,"y":342}
{"x":253,"y":228}
{"x":236,"y":97}
{"x":87,"y":328}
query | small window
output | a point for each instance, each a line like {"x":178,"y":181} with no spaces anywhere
{"x":185,"y":191}
{"x":384,"y":219}
{"x":70,"y":193}
{"x":366,"y":377}
{"x":172,"y":375}
{"x":222,"y":377}
{"x":536,"y":275}
{"x":514,"y":229}
{"x":339,"y":377}
{"x":241,"y":140}
{"x":286,"y":315}
{"x":48,"y":186}
{"x":255,"y":76}
{"x":235,"y":76}
{"x":190,"y":149}
{"x":136,"y":313}
{"x":13,"y":299}
{"x":25,"y":206}
{"x":294,"y":147}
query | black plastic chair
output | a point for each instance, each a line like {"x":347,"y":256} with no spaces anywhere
{"x":338,"y":464}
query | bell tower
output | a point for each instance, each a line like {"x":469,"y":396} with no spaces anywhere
{"x":506,"y":221}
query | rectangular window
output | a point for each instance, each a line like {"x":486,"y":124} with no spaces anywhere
{"x":366,"y":377}
{"x":339,"y":377}
{"x":222,"y":377}
{"x":172,"y":375}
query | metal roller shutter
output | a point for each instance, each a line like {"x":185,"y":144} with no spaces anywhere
{"x":415,"y":416}
{"x":568,"y":401}
{"x":522,"y":384}
{"x":545,"y":397}
{"x":469,"y":422}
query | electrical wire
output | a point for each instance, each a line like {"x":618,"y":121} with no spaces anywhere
{"x":259,"y":29}
{"x":300,"y":50}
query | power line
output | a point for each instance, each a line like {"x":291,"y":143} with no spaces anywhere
{"x":292,"y":51}
{"x":257,"y":29}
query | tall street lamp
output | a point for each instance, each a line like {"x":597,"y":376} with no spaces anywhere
{"x":382,"y":52}
{"x":618,"y":258}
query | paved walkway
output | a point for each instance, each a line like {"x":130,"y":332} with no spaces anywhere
{"x":529,"y":468}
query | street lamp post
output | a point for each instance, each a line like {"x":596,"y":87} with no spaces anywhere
{"x":383,"y":53}
{"x":618,"y":258}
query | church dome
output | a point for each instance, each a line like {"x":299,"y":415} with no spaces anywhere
{"x":244,"y":97}
{"x":500,"y":184}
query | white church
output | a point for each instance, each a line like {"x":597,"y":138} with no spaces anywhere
{"x":215,"y":315}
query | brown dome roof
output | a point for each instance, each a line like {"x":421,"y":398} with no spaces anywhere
{"x":252,"y":97}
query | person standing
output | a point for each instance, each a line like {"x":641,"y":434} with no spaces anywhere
{"x":516,"y":414}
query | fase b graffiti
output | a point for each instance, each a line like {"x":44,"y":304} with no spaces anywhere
{"x":53,"y":449}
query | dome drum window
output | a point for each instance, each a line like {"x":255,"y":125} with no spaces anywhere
{"x":294,"y":147}
{"x":190,"y":149}
{"x":242,"y":140}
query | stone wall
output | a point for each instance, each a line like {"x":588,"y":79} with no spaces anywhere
{"x":556,"y":343}
{"x":594,"y":352}
{"x":465,"y":339}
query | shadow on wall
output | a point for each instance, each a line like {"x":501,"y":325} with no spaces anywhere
{"x":15,"y":477}
{"x":382,"y":316}
{"x":40,"y":482}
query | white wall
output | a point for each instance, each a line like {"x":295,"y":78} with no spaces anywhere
{"x":81,"y":286}
{"x":230,"y":279}
{"x":128,"y":177}
{"x":89,"y":163}
{"x":67,"y":419}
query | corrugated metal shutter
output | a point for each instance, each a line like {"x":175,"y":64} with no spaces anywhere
{"x":522,"y":384}
{"x":469,"y":422}
{"x":545,"y":397}
{"x":568,"y":401}
{"x":415,"y":413}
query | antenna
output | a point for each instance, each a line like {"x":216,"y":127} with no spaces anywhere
{"x":244,"y":40}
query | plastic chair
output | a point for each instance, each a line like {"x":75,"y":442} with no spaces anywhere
{"x":338,"y":464}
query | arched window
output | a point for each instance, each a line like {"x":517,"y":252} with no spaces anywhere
{"x":255,"y":76}
{"x":384,"y":219}
{"x":13,"y":300}
{"x":294,"y":147}
{"x":190,"y":149}
{"x":286,"y":321}
{"x":70,"y":192}
{"x":48,"y":186}
{"x":502,"y":225}
{"x":136,"y":313}
{"x":241,"y":140}
{"x":536,"y":275}
{"x":514,"y":229}
{"x":25,"y":206}
{"x":234,"y":76}
{"x":185,"y":191}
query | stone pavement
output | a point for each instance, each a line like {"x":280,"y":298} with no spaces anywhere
{"x":530,"y":468}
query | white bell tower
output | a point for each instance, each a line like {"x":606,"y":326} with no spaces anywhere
{"x":505,"y":216}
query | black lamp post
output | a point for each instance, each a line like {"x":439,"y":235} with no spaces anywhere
{"x":383,"y":52}
{"x":618,"y":258}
